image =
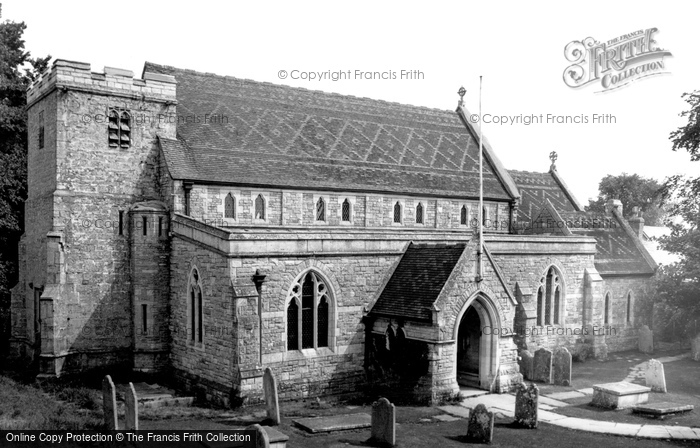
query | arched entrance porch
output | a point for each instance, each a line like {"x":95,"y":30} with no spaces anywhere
{"x":476,"y":354}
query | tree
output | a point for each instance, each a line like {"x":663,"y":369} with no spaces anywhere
{"x":678,"y":285}
{"x":632,"y":190}
{"x":17,"y":71}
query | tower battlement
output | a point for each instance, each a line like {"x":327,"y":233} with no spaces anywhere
{"x":117,"y":82}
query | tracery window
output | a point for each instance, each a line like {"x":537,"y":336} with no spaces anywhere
{"x":549,"y":299}
{"x":309,"y":313}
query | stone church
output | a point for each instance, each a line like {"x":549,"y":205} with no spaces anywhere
{"x":206,"y":227}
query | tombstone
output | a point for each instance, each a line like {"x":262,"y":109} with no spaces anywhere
{"x":526,"y":399}
{"x":383,"y":423}
{"x":526,"y":364}
{"x":542,"y":366}
{"x":646,"y":340}
{"x":262,"y":441}
{"x":695,"y":348}
{"x":109,"y":404}
{"x":480,"y":428}
{"x":271,"y":400}
{"x":561,"y":367}
{"x":131,"y":402}
{"x":655,"y":377}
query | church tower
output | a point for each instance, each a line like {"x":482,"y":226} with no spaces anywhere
{"x":93,"y":157}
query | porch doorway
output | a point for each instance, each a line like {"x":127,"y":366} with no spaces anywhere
{"x":468,"y":349}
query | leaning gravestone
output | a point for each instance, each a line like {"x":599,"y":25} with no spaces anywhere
{"x":526,"y":364}
{"x":383,"y":423}
{"x":480,"y":428}
{"x":655,"y":377}
{"x":526,"y":398}
{"x":271,"y":400}
{"x":543,"y":365}
{"x":262,"y":440}
{"x":695,"y":348}
{"x":109,"y":404}
{"x":561,"y":367}
{"x":646,"y":340}
{"x":132,"y":408}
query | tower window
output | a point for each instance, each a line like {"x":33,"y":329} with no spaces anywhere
{"x":119,"y":128}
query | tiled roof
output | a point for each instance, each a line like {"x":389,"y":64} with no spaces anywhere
{"x":281,"y":136}
{"x":417,"y":281}
{"x":617,"y":250}
{"x":535,"y":188}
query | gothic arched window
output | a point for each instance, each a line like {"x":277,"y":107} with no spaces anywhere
{"x":309,"y":313}
{"x":320,"y":210}
{"x":419,"y":213}
{"x":345,"y":212}
{"x":463,"y":216}
{"x":260,"y":207}
{"x":549,"y":299}
{"x":606,"y":316}
{"x":119,"y":128}
{"x":397,"y":212}
{"x":195,"y":325}
{"x":230,"y":207}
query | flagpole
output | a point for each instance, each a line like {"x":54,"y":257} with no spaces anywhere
{"x":481,"y":190}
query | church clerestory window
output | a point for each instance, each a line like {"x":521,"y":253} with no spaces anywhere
{"x":345,"y":212}
{"x":419,"y":213}
{"x":397,"y":213}
{"x":230,"y":207}
{"x":309,"y":313}
{"x":260,"y":207}
{"x":119,"y":128}
{"x":321,"y":210}
{"x":463,"y":216}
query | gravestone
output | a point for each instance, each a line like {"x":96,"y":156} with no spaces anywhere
{"x":480,"y":429}
{"x":646,"y":340}
{"x":383,"y":423}
{"x":262,"y":441}
{"x":655,"y":377}
{"x":271,"y":400}
{"x":109,"y":404}
{"x":542,"y":365}
{"x":132,"y":408}
{"x":526,"y":398}
{"x":561,"y":367}
{"x":695,"y":348}
{"x":526,"y":364}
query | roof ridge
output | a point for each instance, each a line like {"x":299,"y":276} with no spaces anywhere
{"x":447,"y":112}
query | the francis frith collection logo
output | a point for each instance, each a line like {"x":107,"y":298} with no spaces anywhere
{"x":615,"y":63}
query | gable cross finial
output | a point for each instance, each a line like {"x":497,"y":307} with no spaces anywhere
{"x":461,"y":93}
{"x":553,"y":157}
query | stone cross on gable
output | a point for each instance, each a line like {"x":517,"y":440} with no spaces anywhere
{"x":553,"y":157}
{"x":461,"y":93}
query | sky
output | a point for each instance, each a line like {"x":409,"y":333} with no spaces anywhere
{"x":517,"y":48}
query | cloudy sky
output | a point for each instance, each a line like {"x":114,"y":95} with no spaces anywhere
{"x":518,"y":48}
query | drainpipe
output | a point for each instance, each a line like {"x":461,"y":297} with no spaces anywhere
{"x":259,"y":279}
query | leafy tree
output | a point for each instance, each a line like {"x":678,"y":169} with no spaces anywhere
{"x":632,"y":190}
{"x":17,"y":71}
{"x":678,"y":285}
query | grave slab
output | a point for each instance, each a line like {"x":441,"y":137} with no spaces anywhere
{"x":334,"y":423}
{"x":445,"y":418}
{"x":619,"y":395}
{"x":663,"y":409}
{"x":567,"y":395}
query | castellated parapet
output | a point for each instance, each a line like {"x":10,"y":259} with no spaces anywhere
{"x":86,"y":173}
